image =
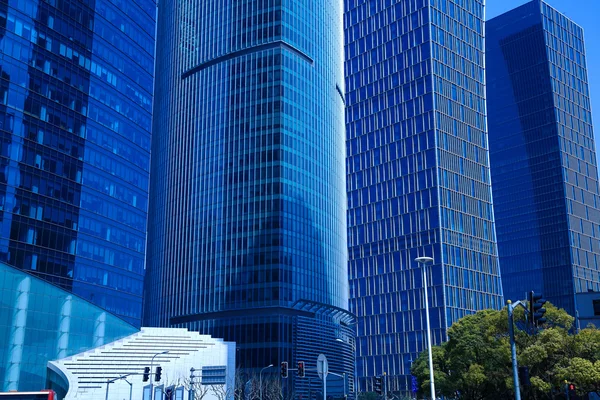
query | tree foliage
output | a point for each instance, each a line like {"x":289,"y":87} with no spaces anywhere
{"x":475,"y":362}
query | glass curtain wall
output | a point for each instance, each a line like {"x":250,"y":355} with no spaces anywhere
{"x":418,"y":177}
{"x":40,"y":322}
{"x":544,"y":165}
{"x":247,"y":227}
{"x":76,"y":82}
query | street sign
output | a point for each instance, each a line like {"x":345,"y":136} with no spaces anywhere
{"x":322,"y":366}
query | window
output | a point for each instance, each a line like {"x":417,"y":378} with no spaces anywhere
{"x":596,"y":307}
{"x":179,"y":393}
{"x":147,"y":392}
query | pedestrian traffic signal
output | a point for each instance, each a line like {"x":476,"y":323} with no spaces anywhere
{"x":524,"y":376}
{"x":572,"y":390}
{"x":158,"y":374}
{"x":377,"y":385}
{"x":146,"y":374}
{"x":284,"y":369}
{"x":301,"y":369}
{"x":536,"y":309}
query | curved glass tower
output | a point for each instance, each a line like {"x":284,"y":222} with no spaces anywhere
{"x":75,"y":113}
{"x":247,"y":228}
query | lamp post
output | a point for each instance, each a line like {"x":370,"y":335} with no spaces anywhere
{"x":152,"y":373}
{"x":123,"y":377}
{"x":260,"y":379}
{"x":353,"y":348}
{"x":424,"y":261}
{"x":130,"y":388}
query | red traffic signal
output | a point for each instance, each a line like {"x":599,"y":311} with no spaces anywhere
{"x":284,"y":369}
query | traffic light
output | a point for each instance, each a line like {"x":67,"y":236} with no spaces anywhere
{"x":524,"y":376}
{"x":301,"y":369}
{"x":284,"y":369}
{"x":571,"y":389}
{"x":377,"y":385}
{"x":158,"y":374}
{"x":146,"y":374}
{"x":536,"y":309}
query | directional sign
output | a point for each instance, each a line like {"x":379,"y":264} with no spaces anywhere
{"x":322,"y":366}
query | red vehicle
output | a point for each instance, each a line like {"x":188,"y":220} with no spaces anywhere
{"x":41,"y":395}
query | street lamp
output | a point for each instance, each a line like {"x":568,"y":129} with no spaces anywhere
{"x":424,"y":261}
{"x":152,"y":373}
{"x":123,"y":377}
{"x":353,"y":349}
{"x":260,"y":379}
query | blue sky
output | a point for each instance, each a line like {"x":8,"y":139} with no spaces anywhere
{"x":585,"y":13}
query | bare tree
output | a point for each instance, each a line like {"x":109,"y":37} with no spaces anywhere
{"x":241,"y":389}
{"x":274,"y":390}
{"x":181,"y":379}
{"x":222,"y":392}
{"x":199,"y":390}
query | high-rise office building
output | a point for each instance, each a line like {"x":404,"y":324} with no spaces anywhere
{"x":544,"y":168}
{"x":247,"y":223}
{"x":76,"y":83}
{"x":418,"y":177}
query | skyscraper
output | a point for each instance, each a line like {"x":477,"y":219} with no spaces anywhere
{"x":75,"y":112}
{"x":247,"y":228}
{"x":418,"y":177}
{"x":542,"y":154}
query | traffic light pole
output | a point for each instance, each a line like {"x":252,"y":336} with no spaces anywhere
{"x":343,"y":376}
{"x":153,"y":374}
{"x":384,"y":385}
{"x":513,"y":346}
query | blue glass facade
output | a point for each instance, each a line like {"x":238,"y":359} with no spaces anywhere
{"x":542,"y":153}
{"x":76,"y":81}
{"x":418,"y":177}
{"x":247,"y":228}
{"x":40,"y":322}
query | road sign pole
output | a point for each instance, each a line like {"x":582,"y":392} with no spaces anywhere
{"x":323,"y":370}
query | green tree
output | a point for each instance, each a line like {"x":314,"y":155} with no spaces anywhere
{"x":475,"y":362}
